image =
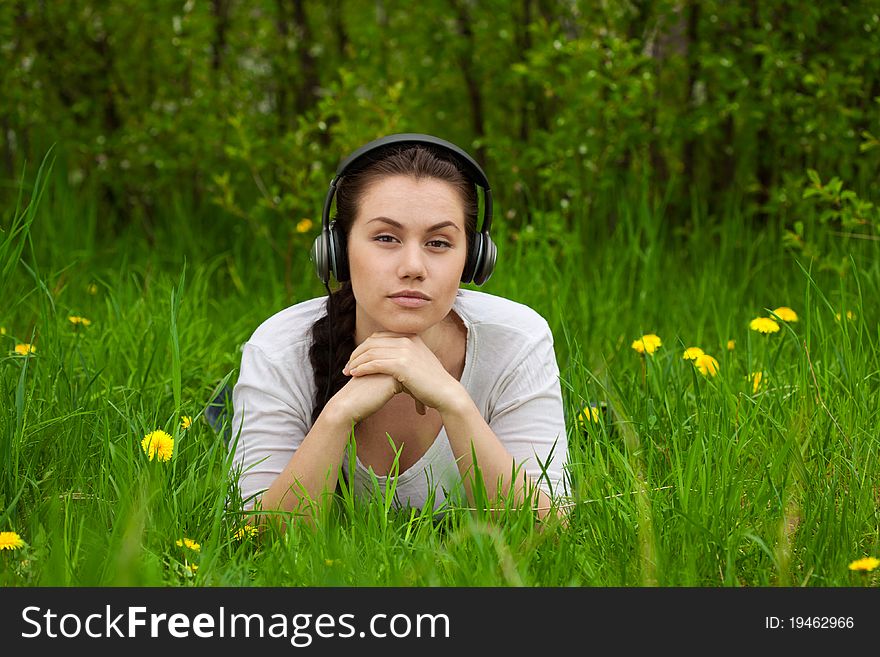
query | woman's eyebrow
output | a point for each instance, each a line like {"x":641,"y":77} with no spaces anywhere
{"x":442,"y":224}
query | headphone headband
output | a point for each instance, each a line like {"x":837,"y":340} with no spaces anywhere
{"x":475,"y":173}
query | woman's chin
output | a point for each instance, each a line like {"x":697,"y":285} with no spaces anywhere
{"x":409,"y":324}
{"x":406,"y":327}
{"x":398,"y":319}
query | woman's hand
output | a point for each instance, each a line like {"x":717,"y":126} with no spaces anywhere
{"x":361,"y":397}
{"x":407,"y":359}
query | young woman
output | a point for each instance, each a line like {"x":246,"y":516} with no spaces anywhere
{"x":426,"y":376}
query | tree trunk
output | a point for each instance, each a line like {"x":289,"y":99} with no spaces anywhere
{"x":677,"y":37}
{"x":308,"y":89}
{"x":693,"y":63}
{"x":220,"y":13}
{"x":342,"y":39}
{"x":382,"y":24}
{"x":523,"y":45}
{"x":466,"y":61}
{"x":763,"y":145}
{"x":282,"y":73}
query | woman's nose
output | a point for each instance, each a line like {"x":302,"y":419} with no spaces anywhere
{"x":412,"y":260}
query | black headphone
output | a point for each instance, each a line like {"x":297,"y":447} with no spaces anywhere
{"x":328,"y":251}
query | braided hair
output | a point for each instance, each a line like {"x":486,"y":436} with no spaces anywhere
{"x":420,"y":161}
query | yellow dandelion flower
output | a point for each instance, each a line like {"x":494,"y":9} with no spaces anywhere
{"x":246,"y":531}
{"x":589,"y":414}
{"x":647,"y":344}
{"x":191,"y":544}
{"x":849,"y":315}
{"x":764,"y":325}
{"x":24,"y":349}
{"x":10,"y":541}
{"x":691,"y":353}
{"x":2,"y":330}
{"x":706,"y":364}
{"x":731,"y":345}
{"x":865,"y":565}
{"x":786,"y":314}
{"x":93,"y":289}
{"x":304,"y":226}
{"x":158,"y":444}
{"x":186,"y":421}
{"x":192,"y":567}
{"x":757,"y":379}
{"x":79,"y":320}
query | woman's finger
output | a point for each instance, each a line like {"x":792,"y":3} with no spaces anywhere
{"x":370,"y":355}
{"x":420,"y":407}
{"x":372,"y":343}
{"x":374,"y":366}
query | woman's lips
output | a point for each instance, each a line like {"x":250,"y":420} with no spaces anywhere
{"x":410,"y":302}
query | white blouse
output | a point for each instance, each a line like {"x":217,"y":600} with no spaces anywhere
{"x":510,"y":372}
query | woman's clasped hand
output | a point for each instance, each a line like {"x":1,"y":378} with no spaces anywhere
{"x":410,"y":367}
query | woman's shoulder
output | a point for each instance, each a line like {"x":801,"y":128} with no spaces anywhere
{"x":489,"y":312}
{"x":288,"y":330}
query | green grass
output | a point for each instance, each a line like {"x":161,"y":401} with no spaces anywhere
{"x":689,"y":481}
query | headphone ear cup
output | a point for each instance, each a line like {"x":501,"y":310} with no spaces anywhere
{"x":473,"y":257}
{"x":485,"y":266}
{"x":319,"y":258}
{"x":338,"y":256}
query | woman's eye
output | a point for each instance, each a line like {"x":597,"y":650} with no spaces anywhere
{"x":385,"y":239}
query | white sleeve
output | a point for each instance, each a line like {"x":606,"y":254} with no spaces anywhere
{"x":528,"y":415}
{"x":270,"y":416}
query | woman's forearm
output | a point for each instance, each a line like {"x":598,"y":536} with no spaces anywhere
{"x":313,"y":470}
{"x":470,"y":435}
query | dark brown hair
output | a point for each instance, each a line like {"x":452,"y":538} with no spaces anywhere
{"x":417,"y":162}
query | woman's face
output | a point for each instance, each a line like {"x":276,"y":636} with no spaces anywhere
{"x":408,"y":235}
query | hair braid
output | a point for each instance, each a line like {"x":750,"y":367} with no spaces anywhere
{"x":343,"y":344}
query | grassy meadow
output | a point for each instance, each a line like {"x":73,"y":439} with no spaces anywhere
{"x":688,"y":479}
